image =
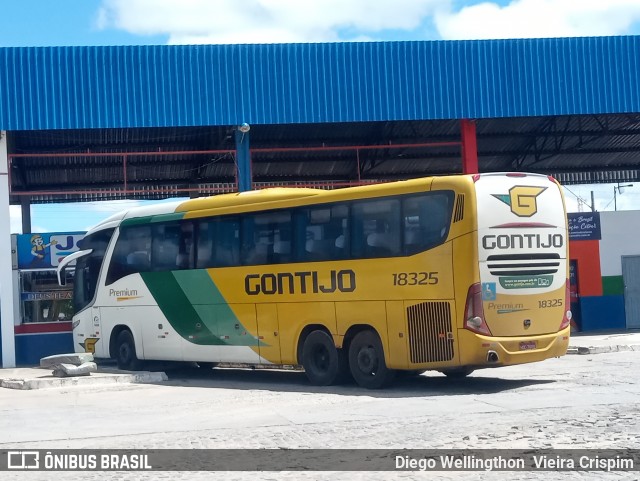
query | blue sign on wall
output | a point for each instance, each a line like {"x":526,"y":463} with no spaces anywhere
{"x":584,"y":226}
{"x":45,"y":251}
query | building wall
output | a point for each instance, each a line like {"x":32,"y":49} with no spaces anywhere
{"x":618,"y":241}
{"x":600,"y":282}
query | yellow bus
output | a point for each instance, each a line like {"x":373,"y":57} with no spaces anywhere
{"x":451,"y":273}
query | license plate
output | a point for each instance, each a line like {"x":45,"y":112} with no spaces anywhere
{"x":528,"y":345}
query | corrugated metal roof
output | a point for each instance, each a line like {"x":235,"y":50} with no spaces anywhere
{"x":172,"y":86}
{"x":165,"y":162}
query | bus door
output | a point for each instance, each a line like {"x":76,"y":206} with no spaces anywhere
{"x":87,"y":334}
{"x":97,"y":331}
{"x":87,"y":325}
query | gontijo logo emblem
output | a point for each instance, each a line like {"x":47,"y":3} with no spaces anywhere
{"x":522,"y":199}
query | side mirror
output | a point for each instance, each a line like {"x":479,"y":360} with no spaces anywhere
{"x":62,"y":267}
{"x":62,"y":276}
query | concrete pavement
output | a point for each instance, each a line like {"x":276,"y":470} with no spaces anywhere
{"x":603,"y":342}
{"x":38,"y":378}
{"x":28,"y":378}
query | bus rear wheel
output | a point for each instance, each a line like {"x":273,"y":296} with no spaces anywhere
{"x":126,"y":352}
{"x":366,"y":361}
{"x":323,"y":363}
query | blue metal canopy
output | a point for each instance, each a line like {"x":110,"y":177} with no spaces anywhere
{"x":161,"y":86}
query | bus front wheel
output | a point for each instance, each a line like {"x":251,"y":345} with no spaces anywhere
{"x":323,"y":363}
{"x":126,"y":352}
{"x":366,"y":361}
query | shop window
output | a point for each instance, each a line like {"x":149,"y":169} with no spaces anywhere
{"x":42,"y":299}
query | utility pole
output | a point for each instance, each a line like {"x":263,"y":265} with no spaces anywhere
{"x":618,"y":190}
{"x":593,"y":203}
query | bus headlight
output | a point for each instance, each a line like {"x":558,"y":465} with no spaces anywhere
{"x":74,"y":324}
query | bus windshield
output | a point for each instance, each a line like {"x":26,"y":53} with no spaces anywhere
{"x":88,"y":268}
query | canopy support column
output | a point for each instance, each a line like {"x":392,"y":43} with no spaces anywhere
{"x":25,"y":207}
{"x":469,"y":146}
{"x":243,"y":159}
{"x":7,"y":320}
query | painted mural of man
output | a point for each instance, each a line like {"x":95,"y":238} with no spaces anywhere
{"x":39,"y":251}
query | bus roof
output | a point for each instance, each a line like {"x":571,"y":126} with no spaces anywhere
{"x":265,"y":198}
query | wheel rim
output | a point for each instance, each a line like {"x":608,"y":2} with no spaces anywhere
{"x":125,"y":353}
{"x":368,"y":360}
{"x":321,"y":358}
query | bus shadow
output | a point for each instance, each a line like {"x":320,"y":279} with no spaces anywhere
{"x":296,"y":381}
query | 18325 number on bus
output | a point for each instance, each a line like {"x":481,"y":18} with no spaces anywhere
{"x":415,"y":278}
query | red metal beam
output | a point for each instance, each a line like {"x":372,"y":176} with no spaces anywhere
{"x":221,"y":189}
{"x":121,"y":191}
{"x":124,"y":155}
{"x":469,"y":146}
{"x":227,"y":151}
{"x":356,"y":147}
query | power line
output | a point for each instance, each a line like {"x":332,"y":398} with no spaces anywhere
{"x":579,"y":198}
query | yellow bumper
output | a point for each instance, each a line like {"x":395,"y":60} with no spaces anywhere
{"x":474,"y":349}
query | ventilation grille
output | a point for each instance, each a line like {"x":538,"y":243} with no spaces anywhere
{"x":430,"y":335}
{"x":523,"y":264}
{"x":458,"y":215}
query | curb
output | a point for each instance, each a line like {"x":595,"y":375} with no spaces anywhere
{"x":601,"y":349}
{"x":46,"y":383}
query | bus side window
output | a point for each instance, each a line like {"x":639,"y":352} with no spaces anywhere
{"x":376,"y":228}
{"x":227,"y":242}
{"x":185,"y":258}
{"x":266,"y":238}
{"x":131,"y":253}
{"x":204,"y":244}
{"x":340,"y":225}
{"x":218,"y":242}
{"x":165,"y":247}
{"x":320,"y":232}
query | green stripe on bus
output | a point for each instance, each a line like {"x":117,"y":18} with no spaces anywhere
{"x":199,"y":287}
{"x":207,"y":300}
{"x":152,"y":219}
{"x":195,"y":308}
{"x":176,"y":307}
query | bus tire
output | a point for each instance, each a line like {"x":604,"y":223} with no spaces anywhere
{"x":323,"y":363}
{"x":457,"y":373}
{"x":366,"y":361}
{"x":126,"y":352}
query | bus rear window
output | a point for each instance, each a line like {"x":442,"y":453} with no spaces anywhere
{"x":426,"y":220}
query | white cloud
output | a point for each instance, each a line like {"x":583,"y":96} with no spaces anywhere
{"x":263,"y":21}
{"x":270,"y":21}
{"x":539,"y":18}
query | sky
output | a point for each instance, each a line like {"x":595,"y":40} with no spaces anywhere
{"x":28,"y":23}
